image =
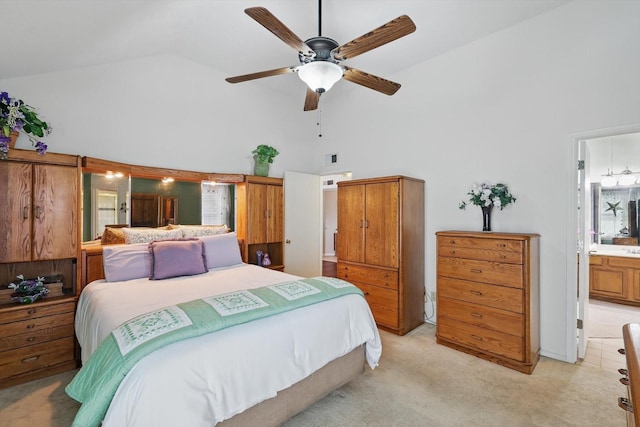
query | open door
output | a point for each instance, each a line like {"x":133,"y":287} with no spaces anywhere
{"x":584,"y":242}
{"x":303,"y":224}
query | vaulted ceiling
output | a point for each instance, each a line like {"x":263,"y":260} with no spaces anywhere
{"x":48,"y":36}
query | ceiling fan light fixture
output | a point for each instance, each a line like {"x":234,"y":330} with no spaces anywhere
{"x":320,"y":76}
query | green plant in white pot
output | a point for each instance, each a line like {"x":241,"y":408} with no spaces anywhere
{"x":263,"y":155}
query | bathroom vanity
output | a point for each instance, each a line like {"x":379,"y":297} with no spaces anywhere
{"x":615,"y":277}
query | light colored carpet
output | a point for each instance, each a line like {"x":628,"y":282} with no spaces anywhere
{"x":418,"y":383}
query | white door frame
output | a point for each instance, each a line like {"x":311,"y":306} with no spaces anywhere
{"x":572,"y":226}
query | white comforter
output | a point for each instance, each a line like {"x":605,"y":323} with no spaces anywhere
{"x":204,"y":380}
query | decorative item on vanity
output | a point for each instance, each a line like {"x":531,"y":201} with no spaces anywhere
{"x":487,"y":196}
{"x":16,"y":117}
{"x":263,"y":155}
{"x":28,"y":291}
{"x":259,"y":256}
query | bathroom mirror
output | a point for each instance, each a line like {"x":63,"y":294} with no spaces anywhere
{"x":616,"y":222}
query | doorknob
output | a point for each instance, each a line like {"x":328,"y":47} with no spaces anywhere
{"x":287,"y":241}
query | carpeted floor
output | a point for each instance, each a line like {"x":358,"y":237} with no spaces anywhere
{"x":418,"y":383}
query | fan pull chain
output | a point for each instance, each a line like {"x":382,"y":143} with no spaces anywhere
{"x":319,"y":123}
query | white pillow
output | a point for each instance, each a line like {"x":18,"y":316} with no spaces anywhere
{"x":134,"y":235}
{"x":222,"y":250}
{"x":190,"y":231}
{"x":126,"y":262}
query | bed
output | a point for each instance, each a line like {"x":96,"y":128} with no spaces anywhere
{"x":260,"y":372}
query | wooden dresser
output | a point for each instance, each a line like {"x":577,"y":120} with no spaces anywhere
{"x":488,"y":296}
{"x":380,"y":247}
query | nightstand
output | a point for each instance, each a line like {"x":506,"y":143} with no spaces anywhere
{"x":36,"y":340}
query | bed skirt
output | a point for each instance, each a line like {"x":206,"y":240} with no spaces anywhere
{"x":301,"y":395}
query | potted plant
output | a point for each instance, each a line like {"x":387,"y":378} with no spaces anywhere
{"x":263,"y":155}
{"x":16,"y":117}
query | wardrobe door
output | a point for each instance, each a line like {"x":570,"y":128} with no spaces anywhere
{"x":381,"y":224}
{"x":350,"y":238}
{"x":15,"y":211}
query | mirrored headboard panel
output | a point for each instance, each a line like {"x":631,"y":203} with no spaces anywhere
{"x":140,"y":196}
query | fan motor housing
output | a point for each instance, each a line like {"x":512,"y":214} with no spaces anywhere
{"x":322,"y":46}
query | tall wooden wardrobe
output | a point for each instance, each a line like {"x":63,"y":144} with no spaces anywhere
{"x":380,"y":247}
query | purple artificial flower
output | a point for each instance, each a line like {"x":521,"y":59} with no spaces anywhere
{"x":41,"y":148}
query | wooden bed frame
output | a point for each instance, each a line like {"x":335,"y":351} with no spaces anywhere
{"x":288,"y":402}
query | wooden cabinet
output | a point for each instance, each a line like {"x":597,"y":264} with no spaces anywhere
{"x":615,"y":279}
{"x":380,"y":247}
{"x":261,"y":219}
{"x":488,"y":296}
{"x":36,"y":340}
{"x":40,"y":207}
{"x":39,"y":211}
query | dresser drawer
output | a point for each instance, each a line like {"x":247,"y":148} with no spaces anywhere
{"x":34,"y":357}
{"x":38,"y":309}
{"x":488,"y":249}
{"x":510,"y":299}
{"x":481,"y":316}
{"x":480,"y":338}
{"x":370,"y":275}
{"x":482,"y":271}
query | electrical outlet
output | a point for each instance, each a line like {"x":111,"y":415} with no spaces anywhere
{"x":432,"y":295}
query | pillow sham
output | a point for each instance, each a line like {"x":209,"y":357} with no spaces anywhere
{"x":126,"y":262}
{"x":112,"y":236}
{"x":222,"y":250}
{"x":146,"y":235}
{"x":189,"y":231}
{"x":179,"y":257}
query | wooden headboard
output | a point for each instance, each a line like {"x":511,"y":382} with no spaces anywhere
{"x":92,"y":264}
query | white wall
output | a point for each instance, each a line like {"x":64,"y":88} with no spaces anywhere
{"x":164,"y":111}
{"x":502,"y":109}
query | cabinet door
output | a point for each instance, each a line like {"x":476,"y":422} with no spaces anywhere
{"x":608,"y":282}
{"x":381,"y":224}
{"x":145,"y":210}
{"x":256,"y":213}
{"x":15,"y":211}
{"x":55,"y":213}
{"x":350,"y":237}
{"x":275,"y":214}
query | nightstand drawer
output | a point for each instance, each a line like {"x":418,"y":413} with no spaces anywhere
{"x":503,"y":297}
{"x":38,"y":309}
{"x":45,"y":332}
{"x":481,"y":316}
{"x":482,"y":271}
{"x":35,"y":324}
{"x":39,"y":356}
{"x":369,"y":275}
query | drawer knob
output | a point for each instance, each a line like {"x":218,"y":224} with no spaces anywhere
{"x":31,"y":326}
{"x":31,"y":359}
{"x":31,"y":339}
{"x":476,"y":270}
{"x":502,"y":245}
{"x":478,"y":315}
{"x":624,"y":403}
{"x":503,"y":257}
{"x":476,"y":293}
{"x":366,"y":293}
{"x":453,"y":242}
{"x":32,"y":311}
{"x":452,"y":252}
{"x":475,"y":337}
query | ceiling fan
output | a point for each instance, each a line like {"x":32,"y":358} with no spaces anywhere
{"x":321,"y":57}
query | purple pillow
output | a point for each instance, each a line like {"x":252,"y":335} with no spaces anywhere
{"x":222,"y":250}
{"x":126,"y":262}
{"x":179,"y":257}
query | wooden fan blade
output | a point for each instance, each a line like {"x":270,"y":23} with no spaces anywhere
{"x":311,"y":100}
{"x":261,"y":74}
{"x":392,"y":30}
{"x":369,"y":80}
{"x":273,"y":24}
